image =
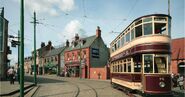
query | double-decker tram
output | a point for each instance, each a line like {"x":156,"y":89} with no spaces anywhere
{"x":140,"y":55}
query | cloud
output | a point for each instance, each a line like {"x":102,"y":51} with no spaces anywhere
{"x":51,"y":7}
{"x":72,"y":28}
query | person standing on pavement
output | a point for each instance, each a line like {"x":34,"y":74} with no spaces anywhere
{"x":181,"y":82}
{"x":11,"y":74}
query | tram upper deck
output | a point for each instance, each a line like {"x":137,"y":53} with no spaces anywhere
{"x":146,"y":30}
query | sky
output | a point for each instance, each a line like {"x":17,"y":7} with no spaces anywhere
{"x":60,"y":20}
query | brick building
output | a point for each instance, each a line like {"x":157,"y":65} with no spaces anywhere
{"x":4,"y":48}
{"x":87,"y":57}
{"x":178,"y":55}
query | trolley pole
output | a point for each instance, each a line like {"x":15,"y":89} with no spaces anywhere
{"x":22,"y":49}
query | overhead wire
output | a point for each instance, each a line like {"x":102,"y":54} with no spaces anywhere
{"x":129,"y":12}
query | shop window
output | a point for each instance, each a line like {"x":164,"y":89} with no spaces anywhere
{"x":138,"y":31}
{"x":160,"y":28}
{"x":148,"y":29}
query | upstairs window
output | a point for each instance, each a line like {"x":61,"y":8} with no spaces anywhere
{"x":138,"y":31}
{"x":148,"y":29}
{"x":132,"y":34}
{"x":160,"y":28}
{"x":122,"y":40}
{"x":127,"y":37}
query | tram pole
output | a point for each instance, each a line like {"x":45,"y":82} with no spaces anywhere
{"x":22,"y":49}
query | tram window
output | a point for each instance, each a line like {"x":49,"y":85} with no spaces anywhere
{"x":118,"y":68}
{"x":138,"y":22}
{"x":132,"y":34}
{"x":137,"y":67}
{"x":169,"y":26}
{"x":148,"y":63}
{"x":128,"y":37}
{"x":160,"y":28}
{"x":129,"y":67}
{"x":147,"y":28}
{"x":118,"y":43}
{"x":121,"y":68}
{"x":160,"y":65}
{"x":138,"y":31}
{"x":147,"y":19}
{"x":115,"y":47}
{"x":125,"y":68}
{"x":159,"y":19}
{"x":122,"y":40}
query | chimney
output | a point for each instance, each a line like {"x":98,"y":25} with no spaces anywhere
{"x":42,"y":44}
{"x":98,"y":32}
{"x":67,"y":43}
{"x":49,"y":43}
{"x":76,"y":37}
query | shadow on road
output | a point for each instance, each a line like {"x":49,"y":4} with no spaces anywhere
{"x":41,"y":80}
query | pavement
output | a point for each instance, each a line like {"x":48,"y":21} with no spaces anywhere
{"x":6,"y":89}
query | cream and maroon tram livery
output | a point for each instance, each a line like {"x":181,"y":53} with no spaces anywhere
{"x":140,"y":55}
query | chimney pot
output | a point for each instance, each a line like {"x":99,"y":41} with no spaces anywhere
{"x":98,"y":32}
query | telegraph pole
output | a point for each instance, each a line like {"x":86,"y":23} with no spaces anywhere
{"x":168,"y":7}
{"x":34,"y":23}
{"x":22,"y":49}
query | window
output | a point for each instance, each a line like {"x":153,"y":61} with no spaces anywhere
{"x":138,"y":31}
{"x":125,"y":67}
{"x":147,"y":28}
{"x":128,"y":37}
{"x":137,"y":63}
{"x":115,"y":47}
{"x":118,"y":43}
{"x":159,"y":19}
{"x":160,"y":65}
{"x":148,"y":63}
{"x":160,"y":28}
{"x":147,"y":19}
{"x":132,"y":34}
{"x":121,"y":68}
{"x":129,"y":67}
{"x":122,"y":40}
{"x":138,"y":22}
{"x":169,"y":26}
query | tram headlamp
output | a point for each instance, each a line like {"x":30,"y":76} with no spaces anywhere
{"x":162,"y":84}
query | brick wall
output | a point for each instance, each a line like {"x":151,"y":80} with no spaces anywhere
{"x":98,"y":73}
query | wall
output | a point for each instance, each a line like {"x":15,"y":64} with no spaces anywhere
{"x":98,"y":73}
{"x":103,"y":53}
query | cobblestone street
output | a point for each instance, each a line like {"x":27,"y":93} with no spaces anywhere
{"x":75,"y":87}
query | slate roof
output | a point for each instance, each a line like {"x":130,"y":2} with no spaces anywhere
{"x":55,"y":51}
{"x":178,"y":48}
{"x":88,"y":41}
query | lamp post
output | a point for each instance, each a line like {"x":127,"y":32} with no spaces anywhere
{"x":22,"y":49}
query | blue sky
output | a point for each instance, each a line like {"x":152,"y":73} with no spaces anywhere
{"x":61,"y":19}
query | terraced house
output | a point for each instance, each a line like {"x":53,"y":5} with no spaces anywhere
{"x":54,"y":61}
{"x":87,"y":57}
